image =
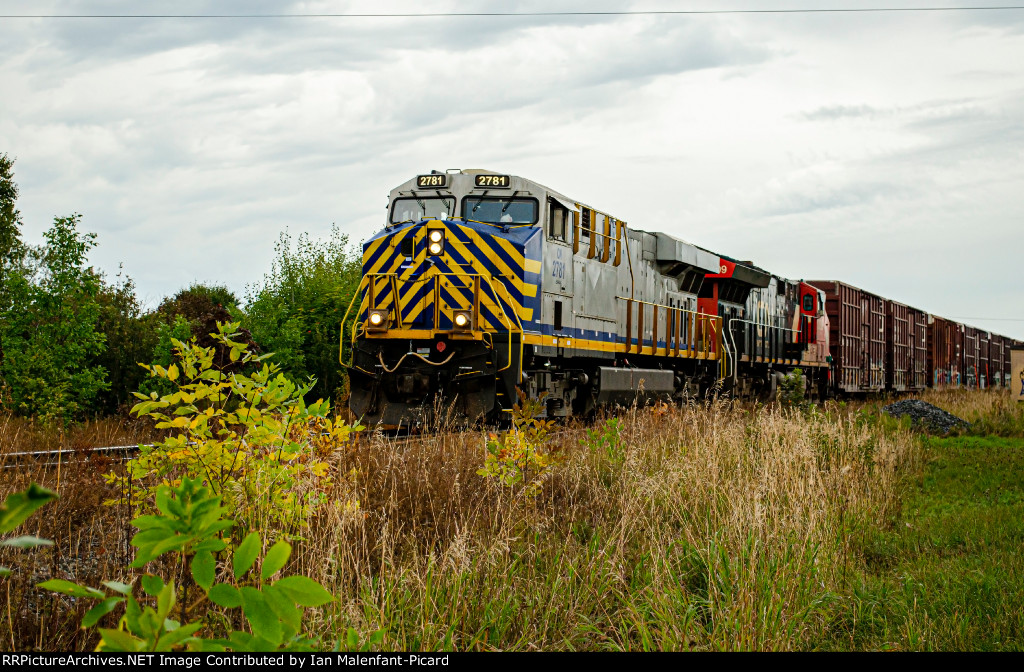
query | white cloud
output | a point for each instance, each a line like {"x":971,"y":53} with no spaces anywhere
{"x":881,"y":149}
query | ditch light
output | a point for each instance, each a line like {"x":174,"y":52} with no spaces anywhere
{"x":377,"y":320}
{"x":463,"y":320}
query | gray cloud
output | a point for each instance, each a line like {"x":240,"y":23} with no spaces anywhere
{"x":882,"y":150}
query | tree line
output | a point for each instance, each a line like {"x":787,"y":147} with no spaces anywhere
{"x":72,"y":337}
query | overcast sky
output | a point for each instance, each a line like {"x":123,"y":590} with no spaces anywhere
{"x":886,"y":150}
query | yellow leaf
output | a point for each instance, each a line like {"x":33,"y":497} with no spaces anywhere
{"x":172,"y":372}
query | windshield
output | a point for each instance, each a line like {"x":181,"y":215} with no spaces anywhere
{"x":500,"y":210}
{"x":415,"y":209}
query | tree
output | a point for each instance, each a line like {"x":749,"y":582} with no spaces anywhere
{"x":296,"y":312}
{"x":48,"y":328}
{"x":11,"y":247}
{"x":202,"y":308}
{"x":12,"y":250}
{"x":130,"y":336}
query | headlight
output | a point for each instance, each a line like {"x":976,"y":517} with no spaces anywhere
{"x":378,"y":320}
{"x":435,"y":240}
{"x":463,"y":320}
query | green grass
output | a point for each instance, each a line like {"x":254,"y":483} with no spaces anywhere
{"x":948,"y":574}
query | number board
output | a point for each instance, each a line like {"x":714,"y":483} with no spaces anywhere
{"x":494,"y":181}
{"x":434,"y":181}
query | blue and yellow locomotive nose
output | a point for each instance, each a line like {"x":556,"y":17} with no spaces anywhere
{"x":443,"y":304}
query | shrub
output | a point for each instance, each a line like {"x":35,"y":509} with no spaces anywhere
{"x":191,"y":523}
{"x":791,"y":389}
{"x":251,"y":438}
{"x":521,"y":456}
{"x":296,"y":312}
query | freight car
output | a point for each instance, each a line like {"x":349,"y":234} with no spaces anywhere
{"x":482,"y":285}
{"x":879,"y":345}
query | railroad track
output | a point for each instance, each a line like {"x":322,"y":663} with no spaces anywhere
{"x":65,"y":456}
{"x":52,"y":458}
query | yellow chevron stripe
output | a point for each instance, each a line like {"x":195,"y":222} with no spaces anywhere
{"x":372,"y":249}
{"x":532,"y":266}
{"x":485,"y":249}
{"x":389,"y":263}
{"x":511,"y":250}
{"x":392,"y":260}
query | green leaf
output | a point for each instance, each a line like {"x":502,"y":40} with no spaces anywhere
{"x":245,"y":554}
{"x":26,"y":541}
{"x":150,"y":522}
{"x":352,"y":639}
{"x":262,"y":619}
{"x":284,"y":609}
{"x":275,"y":559}
{"x":118,"y":587}
{"x":133,"y":615}
{"x":165,"y":600}
{"x":177,"y":636}
{"x":118,"y":640}
{"x":225,"y":596}
{"x":93,"y":616}
{"x":304,"y":591}
{"x":151,"y":536}
{"x":213,"y":545}
{"x":163,"y":499}
{"x":240,"y":641}
{"x":20,"y":505}
{"x":4,"y":572}
{"x":73,"y":589}
{"x":145,"y":555}
{"x":204,"y":569}
{"x":152,"y":585}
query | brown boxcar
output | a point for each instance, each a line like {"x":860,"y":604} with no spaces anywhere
{"x":945,"y":352}
{"x":898,"y":347}
{"x":984,"y":359}
{"x":918,"y":322}
{"x":995,"y":361}
{"x":856,"y":338}
{"x":970,"y":377}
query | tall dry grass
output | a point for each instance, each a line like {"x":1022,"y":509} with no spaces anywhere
{"x":994,"y":411}
{"x":719,"y":529}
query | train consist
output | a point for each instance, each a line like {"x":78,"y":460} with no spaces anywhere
{"x":482,"y":286}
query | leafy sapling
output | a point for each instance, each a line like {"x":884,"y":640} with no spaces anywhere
{"x":191,"y":523}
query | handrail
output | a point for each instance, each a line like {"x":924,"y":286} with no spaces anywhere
{"x":699,"y":318}
{"x":798,"y":332}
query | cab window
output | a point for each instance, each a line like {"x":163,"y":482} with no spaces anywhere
{"x":557,"y":222}
{"x":500,"y":210}
{"x":414,"y":209}
{"x":808,"y":303}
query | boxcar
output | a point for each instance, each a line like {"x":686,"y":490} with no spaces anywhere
{"x":945,"y":352}
{"x":918,"y":324}
{"x":857,"y":338}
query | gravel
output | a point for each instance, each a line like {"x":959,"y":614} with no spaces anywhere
{"x":925,"y":415}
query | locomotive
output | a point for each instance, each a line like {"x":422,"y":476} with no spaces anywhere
{"x":483,"y":286}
